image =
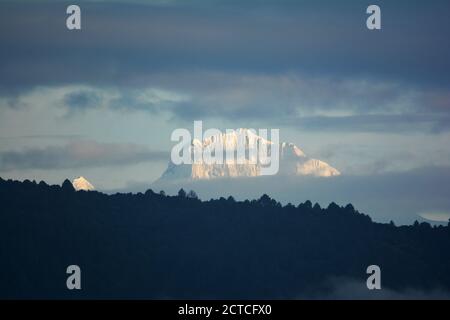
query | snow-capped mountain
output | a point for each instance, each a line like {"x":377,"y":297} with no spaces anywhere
{"x":293,"y":161}
{"x":82,"y":183}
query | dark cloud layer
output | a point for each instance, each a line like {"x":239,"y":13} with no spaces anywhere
{"x":78,"y":154}
{"x":287,"y":62}
{"x":400,"y":123}
{"x":124,"y":42}
{"x":81,"y":100}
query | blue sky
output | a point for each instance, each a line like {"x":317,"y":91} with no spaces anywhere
{"x":102,"y":102}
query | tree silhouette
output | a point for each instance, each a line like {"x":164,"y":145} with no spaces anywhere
{"x":265,"y":200}
{"x":182,"y":193}
{"x":152,"y":245}
{"x":192,"y":195}
{"x":67,"y":186}
{"x":307,"y":204}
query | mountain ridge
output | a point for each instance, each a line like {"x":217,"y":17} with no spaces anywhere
{"x":150,"y":245}
{"x":293,"y":160}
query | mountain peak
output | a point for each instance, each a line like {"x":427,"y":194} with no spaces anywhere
{"x":81,"y":183}
{"x":231,"y":138}
{"x":293,"y":161}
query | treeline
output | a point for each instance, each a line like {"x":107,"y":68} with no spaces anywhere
{"x":151,"y":245}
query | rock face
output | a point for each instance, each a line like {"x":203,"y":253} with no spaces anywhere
{"x":81,"y":183}
{"x":293,"y":161}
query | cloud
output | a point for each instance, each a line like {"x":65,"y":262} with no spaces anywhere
{"x":314,"y":103}
{"x":436,"y":216}
{"x":82,"y":99}
{"x":78,"y":154}
{"x":300,"y":64}
{"x":153,"y":100}
{"x":71,"y":99}
{"x":426,"y":123}
{"x":353,"y":289}
{"x":122,"y":43}
{"x":292,"y":100}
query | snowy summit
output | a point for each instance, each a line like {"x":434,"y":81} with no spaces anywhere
{"x":293,"y":161}
{"x":81,"y":183}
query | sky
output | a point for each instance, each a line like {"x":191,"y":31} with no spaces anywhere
{"x":102,"y":101}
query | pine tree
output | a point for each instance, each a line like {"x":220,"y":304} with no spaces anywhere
{"x":67,"y":186}
{"x":182,"y":193}
{"x":192,"y":195}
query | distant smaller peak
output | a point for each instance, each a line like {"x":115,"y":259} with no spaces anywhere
{"x":81,"y":183}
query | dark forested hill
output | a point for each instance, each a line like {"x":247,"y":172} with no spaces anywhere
{"x":156,"y":246}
